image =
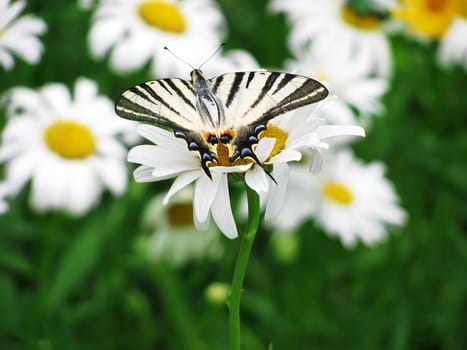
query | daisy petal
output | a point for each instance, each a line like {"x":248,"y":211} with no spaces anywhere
{"x":222,"y":211}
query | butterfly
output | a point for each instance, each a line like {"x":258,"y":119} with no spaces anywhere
{"x":232,"y":109}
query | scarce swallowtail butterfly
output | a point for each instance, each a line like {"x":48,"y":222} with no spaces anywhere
{"x":232,"y":108}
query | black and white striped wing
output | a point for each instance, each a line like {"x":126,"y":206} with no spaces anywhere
{"x":254,"y":98}
{"x":169,"y":103}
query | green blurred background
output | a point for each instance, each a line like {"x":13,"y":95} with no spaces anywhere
{"x":78,"y":283}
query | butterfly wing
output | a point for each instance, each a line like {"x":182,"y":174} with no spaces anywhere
{"x":251,"y":99}
{"x":169,"y":103}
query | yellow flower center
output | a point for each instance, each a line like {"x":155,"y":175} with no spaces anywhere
{"x":436,"y":5}
{"x":430,"y":18}
{"x":360,"y":21}
{"x":224,"y":152}
{"x":337,"y":192}
{"x":163,"y":15}
{"x":70,"y":139}
{"x":180,"y":214}
{"x":277,"y":133}
{"x":223,"y":155}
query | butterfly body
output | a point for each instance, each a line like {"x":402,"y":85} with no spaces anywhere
{"x":231,"y":109}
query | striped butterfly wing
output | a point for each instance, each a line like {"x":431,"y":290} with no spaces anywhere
{"x":169,"y":103}
{"x":257,"y":97}
{"x":251,"y":99}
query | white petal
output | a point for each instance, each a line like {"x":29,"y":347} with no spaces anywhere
{"x":180,"y":182}
{"x":160,"y":136}
{"x":58,"y":96}
{"x":257,"y":180}
{"x":130,"y":54}
{"x":277,"y":193}
{"x":143,"y":173}
{"x":82,"y":190}
{"x":113,"y":173}
{"x":221,"y":210}
{"x":288,"y":155}
{"x":264,"y":148}
{"x":205,"y":191}
{"x":22,"y":168}
{"x":104,"y":34}
{"x":326,"y":131}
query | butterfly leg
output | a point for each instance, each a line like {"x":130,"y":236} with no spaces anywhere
{"x":246,"y":138}
{"x":195,"y":142}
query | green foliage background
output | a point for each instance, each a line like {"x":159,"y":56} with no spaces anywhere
{"x":77,"y":283}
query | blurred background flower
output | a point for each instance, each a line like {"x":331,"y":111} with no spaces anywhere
{"x":375,"y":241}
{"x":173,"y":237}
{"x":66,"y":146}
{"x":137,"y":31}
{"x":19,"y":36}
{"x":338,"y":22}
{"x":445,"y":21}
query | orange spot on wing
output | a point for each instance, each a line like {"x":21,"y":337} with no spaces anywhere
{"x":229,"y":132}
{"x":207,"y":134}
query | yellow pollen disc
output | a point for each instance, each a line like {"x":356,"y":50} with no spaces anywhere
{"x":337,"y":192}
{"x":163,"y":15}
{"x":180,"y":214}
{"x":70,"y":139}
{"x":223,"y":155}
{"x":359,"y":21}
{"x":277,"y":133}
{"x":436,"y":5}
{"x":430,"y":18}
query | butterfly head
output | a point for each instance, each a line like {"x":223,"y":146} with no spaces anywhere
{"x":196,"y":74}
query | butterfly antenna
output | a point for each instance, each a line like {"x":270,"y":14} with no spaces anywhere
{"x":178,"y":58}
{"x":212,"y":55}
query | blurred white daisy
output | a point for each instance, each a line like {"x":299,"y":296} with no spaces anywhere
{"x":19,"y":36}
{"x":445,"y":21}
{"x":135,"y":32}
{"x":337,"y":23}
{"x":348,"y":77}
{"x":173,"y":236}
{"x":348,"y":199}
{"x":65,"y":145}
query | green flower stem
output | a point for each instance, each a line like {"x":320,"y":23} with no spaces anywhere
{"x":240,"y":268}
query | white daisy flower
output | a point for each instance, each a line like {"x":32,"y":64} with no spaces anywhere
{"x":279,"y":144}
{"x":19,"y":36}
{"x":66,"y":146}
{"x":174,"y":238}
{"x":335,"y":22}
{"x":348,"y":76}
{"x":349,"y":199}
{"x":136,"y":31}
{"x":169,"y":157}
{"x":285,"y":140}
{"x":439,"y":20}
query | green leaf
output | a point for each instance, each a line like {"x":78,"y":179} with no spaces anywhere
{"x":75,"y":264}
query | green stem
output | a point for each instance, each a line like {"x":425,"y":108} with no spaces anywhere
{"x":240,"y":268}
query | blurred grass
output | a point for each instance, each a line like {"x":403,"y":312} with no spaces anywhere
{"x":76,"y":283}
